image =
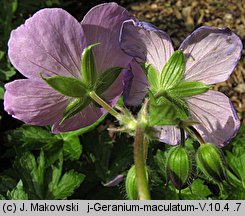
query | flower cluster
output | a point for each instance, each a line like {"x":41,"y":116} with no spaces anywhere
{"x":211,"y":54}
{"x":77,"y":71}
{"x":51,"y":43}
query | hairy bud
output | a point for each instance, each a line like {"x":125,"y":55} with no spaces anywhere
{"x":179,"y":167}
{"x":211,"y":162}
{"x":131,"y":184}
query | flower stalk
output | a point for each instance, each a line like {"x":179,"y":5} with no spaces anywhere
{"x":102,"y":103}
{"x":140,"y":167}
{"x":196,"y":134}
{"x":182,"y":137}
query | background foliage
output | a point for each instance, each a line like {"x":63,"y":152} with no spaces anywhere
{"x":36,"y":164}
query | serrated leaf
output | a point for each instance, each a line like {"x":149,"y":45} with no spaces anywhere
{"x":188,"y":89}
{"x":31,"y":173}
{"x":72,"y":148}
{"x":60,"y":187}
{"x":162,"y":114}
{"x":70,"y":181}
{"x":67,"y":86}
{"x":173,"y":71}
{"x":88,"y":66}
{"x":56,"y":171}
{"x":152,"y":75}
{"x":28,"y":135}
{"x":18,"y":192}
{"x":106,"y":79}
{"x":74,"y":107}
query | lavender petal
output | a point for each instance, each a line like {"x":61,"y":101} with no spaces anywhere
{"x":102,"y":25}
{"x":218,"y":120}
{"x":212,"y":54}
{"x":146,"y":43}
{"x":50,"y":42}
{"x":34,"y":102}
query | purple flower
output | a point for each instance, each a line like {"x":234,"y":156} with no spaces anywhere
{"x":51,"y":43}
{"x":211,"y":55}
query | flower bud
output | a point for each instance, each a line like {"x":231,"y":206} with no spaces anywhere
{"x":179,"y":167}
{"x":131,"y":184}
{"x":210,"y":161}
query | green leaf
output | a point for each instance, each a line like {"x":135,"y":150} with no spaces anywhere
{"x":67,"y":86}
{"x":6,"y":183}
{"x":32,"y":174}
{"x":18,"y":193}
{"x":72,"y":148}
{"x":188,"y":89}
{"x":236,"y":164}
{"x":70,"y":181}
{"x":2,"y":197}
{"x":74,"y":107}
{"x":162,"y":114}
{"x":196,"y":191}
{"x":6,"y":74}
{"x":2,"y":54}
{"x":56,"y":172}
{"x":173,"y":70}
{"x":30,"y":137}
{"x":160,"y":159}
{"x":14,"y":5}
{"x":52,"y":152}
{"x":152,"y":75}
{"x":88,"y":66}
{"x":60,"y":187}
{"x":38,"y":176}
{"x":106,"y":79}
{"x":1,"y":90}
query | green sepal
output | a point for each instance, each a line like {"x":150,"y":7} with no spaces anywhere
{"x":179,"y":105}
{"x":173,"y":70}
{"x":106,"y":79}
{"x":67,"y":85}
{"x":88,"y":66}
{"x":188,"y":89}
{"x":152,"y":97}
{"x":163,"y":114}
{"x":179,"y":167}
{"x":74,"y":107}
{"x":211,"y":161}
{"x":152,"y":75}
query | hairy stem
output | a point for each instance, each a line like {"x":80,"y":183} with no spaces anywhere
{"x":145,"y":147}
{"x":102,"y":103}
{"x":140,"y":167}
